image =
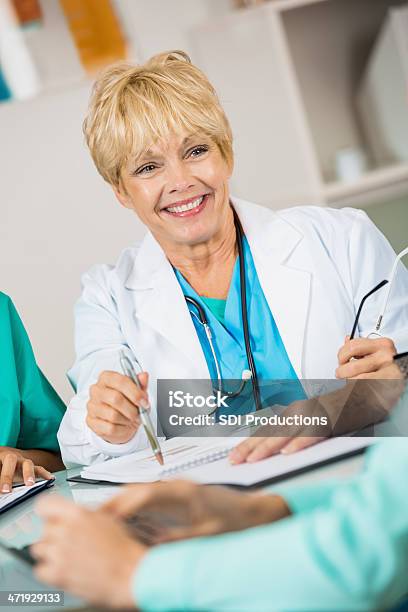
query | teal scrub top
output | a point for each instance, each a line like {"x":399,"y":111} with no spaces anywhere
{"x":344,"y":548}
{"x":217,"y":307}
{"x":30,"y":409}
{"x":278,"y":380}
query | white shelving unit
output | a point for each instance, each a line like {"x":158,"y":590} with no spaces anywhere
{"x":287,"y":73}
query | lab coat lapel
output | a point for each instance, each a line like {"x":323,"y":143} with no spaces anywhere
{"x":274,"y":244}
{"x":159,"y":303}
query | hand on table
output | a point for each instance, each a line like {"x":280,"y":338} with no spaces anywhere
{"x":260,"y":447}
{"x":364,"y":357}
{"x":383,"y":368}
{"x":266,"y":441}
{"x":15,"y":466}
{"x":86,"y":552}
{"x":112,"y":407}
{"x":195,"y":510}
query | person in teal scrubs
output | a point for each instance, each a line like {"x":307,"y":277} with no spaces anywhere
{"x":326,"y":546}
{"x":30,"y":409}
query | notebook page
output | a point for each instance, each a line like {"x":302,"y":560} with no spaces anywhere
{"x":222,"y":472}
{"x":142,"y":466}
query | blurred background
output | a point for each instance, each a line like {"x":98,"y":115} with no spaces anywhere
{"x":316,"y":92}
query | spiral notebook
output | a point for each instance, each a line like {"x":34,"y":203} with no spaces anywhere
{"x":205,"y":461}
{"x":180,"y":455}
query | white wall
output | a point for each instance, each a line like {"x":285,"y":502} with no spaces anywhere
{"x":161,"y":25}
{"x":58,"y":217}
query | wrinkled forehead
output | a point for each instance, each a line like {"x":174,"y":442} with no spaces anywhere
{"x":172,"y":141}
{"x":156,"y":123}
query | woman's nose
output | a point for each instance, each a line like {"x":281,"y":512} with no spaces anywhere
{"x":179,"y":179}
{"x":182,"y":186}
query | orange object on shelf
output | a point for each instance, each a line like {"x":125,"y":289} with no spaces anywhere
{"x":96,"y":32}
{"x":27,"y":11}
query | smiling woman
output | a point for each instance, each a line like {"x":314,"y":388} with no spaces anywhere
{"x":133,"y":107}
{"x":272,"y":295}
{"x":190,"y":163}
{"x":169,"y":157}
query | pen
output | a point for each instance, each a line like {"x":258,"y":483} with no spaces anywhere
{"x":128,"y":370}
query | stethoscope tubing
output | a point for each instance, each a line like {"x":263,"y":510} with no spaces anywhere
{"x":202,"y":318}
{"x":244,"y":311}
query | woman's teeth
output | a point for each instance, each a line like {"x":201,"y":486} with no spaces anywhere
{"x":185,"y":207}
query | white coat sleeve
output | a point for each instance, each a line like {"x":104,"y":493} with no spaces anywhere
{"x":98,"y":340}
{"x":371,"y":259}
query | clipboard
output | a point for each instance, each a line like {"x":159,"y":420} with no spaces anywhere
{"x":291,"y":472}
{"x":299,"y":471}
{"x":30,"y":492}
{"x":78,"y":478}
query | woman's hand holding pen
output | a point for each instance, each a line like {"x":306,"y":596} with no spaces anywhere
{"x":112,"y":409}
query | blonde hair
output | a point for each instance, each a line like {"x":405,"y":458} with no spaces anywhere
{"x":133,"y":106}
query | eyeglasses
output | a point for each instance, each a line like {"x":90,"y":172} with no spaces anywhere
{"x":376,"y":333}
{"x":360,"y":308}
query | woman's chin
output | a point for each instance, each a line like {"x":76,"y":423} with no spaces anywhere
{"x":194,"y":236}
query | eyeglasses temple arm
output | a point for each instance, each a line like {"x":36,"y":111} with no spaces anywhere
{"x":387,"y":294}
{"x":376,"y":288}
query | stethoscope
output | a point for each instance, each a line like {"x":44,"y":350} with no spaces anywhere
{"x":249,"y":374}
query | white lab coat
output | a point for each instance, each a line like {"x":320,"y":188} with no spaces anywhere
{"x":314,"y":265}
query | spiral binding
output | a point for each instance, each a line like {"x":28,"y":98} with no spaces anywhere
{"x":181,"y":467}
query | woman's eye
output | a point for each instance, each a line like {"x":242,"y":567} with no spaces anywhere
{"x":198,"y":151}
{"x":145,"y":169}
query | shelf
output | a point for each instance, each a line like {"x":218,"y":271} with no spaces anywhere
{"x":375,"y":185}
{"x":288,"y":5}
{"x":288,"y":73}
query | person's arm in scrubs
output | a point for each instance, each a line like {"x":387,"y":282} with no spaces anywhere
{"x":344,"y":548}
{"x":350,"y":553}
{"x":31,"y":409}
